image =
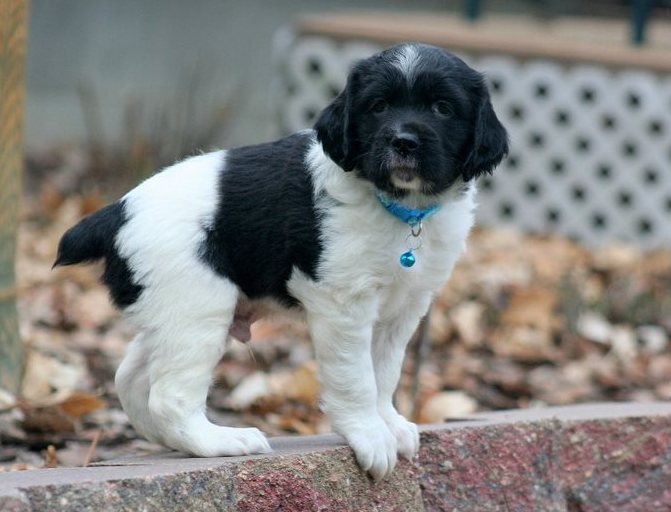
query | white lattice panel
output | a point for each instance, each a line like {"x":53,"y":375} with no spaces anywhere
{"x":590,"y":147}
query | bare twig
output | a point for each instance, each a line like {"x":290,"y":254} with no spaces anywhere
{"x":421,"y":348}
{"x":50,"y":457}
{"x":92,"y":448}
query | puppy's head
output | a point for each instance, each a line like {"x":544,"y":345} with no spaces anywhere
{"x":413,"y":118}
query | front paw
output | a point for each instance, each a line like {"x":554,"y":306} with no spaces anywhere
{"x":374,"y":447}
{"x":405,"y":433}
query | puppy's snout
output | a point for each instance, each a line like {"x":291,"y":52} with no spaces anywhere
{"x":405,"y":143}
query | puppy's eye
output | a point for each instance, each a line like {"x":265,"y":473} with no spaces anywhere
{"x":442,"y":108}
{"x":379,"y":106}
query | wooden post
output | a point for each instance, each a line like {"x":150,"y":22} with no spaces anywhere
{"x":13,"y":30}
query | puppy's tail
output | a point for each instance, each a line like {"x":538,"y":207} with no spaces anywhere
{"x":91,"y":239}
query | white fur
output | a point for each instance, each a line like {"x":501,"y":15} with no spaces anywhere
{"x":407,"y":61}
{"x":361,"y":311}
{"x":415,"y":184}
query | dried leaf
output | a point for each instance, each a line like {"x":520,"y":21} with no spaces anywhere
{"x":51,"y":197}
{"x":298,"y":384}
{"x":616,"y":257}
{"x":250,"y":390}
{"x":554,"y":385}
{"x":654,"y":338}
{"x":50,"y":379}
{"x":17,"y":467}
{"x":552,"y":258}
{"x":291,"y":423}
{"x":468,"y":321}
{"x":532,"y":307}
{"x":50,"y":419}
{"x":523,"y":343}
{"x":92,"y":202}
{"x":92,"y":309}
{"x":440,"y":327}
{"x":594,"y":327}
{"x":447,"y":405}
{"x":623,"y":341}
{"x":79,"y":404}
{"x":7,"y":400}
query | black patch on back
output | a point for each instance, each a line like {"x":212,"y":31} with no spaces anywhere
{"x":266,"y":222}
{"x":117,"y":275}
{"x":119,"y":279}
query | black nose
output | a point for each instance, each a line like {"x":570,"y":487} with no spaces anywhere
{"x":405,"y":143}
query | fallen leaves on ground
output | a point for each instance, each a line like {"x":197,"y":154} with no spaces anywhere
{"x":525,"y":321}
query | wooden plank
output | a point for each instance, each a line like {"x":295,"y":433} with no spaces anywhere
{"x":13,"y":30}
{"x":592,"y":41}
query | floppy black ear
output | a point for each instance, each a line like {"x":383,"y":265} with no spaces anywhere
{"x":333,"y":129}
{"x":490,"y":142}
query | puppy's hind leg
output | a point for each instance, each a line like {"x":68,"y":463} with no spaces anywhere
{"x":179,"y":384}
{"x":183,"y":351}
{"x":132,"y":386}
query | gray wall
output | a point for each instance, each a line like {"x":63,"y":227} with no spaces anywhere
{"x":143,"y":52}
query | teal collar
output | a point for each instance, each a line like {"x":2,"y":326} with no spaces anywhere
{"x":410,"y":216}
{"x":413,"y":217}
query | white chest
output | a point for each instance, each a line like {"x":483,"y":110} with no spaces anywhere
{"x":363,"y":244}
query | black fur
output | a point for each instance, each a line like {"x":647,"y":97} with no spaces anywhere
{"x":266,"y":222}
{"x":93,"y":239}
{"x":335,"y":131}
{"x":379,"y":103}
{"x":489,"y":144}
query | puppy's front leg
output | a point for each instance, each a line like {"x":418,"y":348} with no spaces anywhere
{"x":342,"y":339}
{"x":390,"y":338}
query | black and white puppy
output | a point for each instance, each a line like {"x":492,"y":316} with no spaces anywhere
{"x":325,"y":224}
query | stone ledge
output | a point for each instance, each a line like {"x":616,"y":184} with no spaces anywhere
{"x":579,"y":458}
